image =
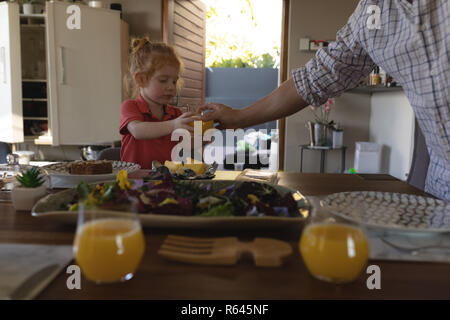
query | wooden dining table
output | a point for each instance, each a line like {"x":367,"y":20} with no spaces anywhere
{"x":162,"y":279}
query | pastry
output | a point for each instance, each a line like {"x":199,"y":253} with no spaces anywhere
{"x":90,"y":167}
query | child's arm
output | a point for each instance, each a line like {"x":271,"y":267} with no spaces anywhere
{"x":142,"y":130}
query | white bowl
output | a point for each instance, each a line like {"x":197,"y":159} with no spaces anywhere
{"x":24,"y":156}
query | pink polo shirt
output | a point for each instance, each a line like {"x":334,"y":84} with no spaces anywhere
{"x":143,"y":152}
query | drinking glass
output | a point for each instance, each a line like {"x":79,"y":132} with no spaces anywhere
{"x":108,"y":246}
{"x":191,"y":107}
{"x":334,"y":249}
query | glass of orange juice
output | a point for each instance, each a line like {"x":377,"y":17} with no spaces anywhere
{"x":108,"y":247}
{"x":195,"y":109}
{"x":333,"y":249}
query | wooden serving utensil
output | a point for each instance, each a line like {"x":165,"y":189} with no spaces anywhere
{"x":266,"y":252}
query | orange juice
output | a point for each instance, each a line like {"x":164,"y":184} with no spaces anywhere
{"x":205,"y":125}
{"x":334,"y":252}
{"x":109,"y":250}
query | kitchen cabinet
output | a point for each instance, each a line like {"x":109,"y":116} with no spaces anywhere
{"x":60,"y":85}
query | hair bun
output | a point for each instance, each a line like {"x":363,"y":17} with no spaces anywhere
{"x":138,"y":43}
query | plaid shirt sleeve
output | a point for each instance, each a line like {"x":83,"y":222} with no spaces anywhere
{"x":339,"y":67}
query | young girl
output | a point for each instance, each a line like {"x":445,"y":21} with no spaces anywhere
{"x":146,"y":123}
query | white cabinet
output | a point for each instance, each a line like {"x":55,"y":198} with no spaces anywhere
{"x":11,"y":124}
{"x":69,"y":91}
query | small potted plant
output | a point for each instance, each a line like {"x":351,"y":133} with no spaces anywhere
{"x":30,"y":189}
{"x":27,"y":6}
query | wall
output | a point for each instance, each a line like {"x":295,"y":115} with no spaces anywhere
{"x":321,"y":19}
{"x":392,"y":126}
{"x":143,"y":16}
{"x":351,"y":111}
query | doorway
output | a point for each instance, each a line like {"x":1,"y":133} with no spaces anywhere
{"x":226,"y":44}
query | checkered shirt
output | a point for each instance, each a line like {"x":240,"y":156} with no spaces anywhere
{"x":412,"y":44}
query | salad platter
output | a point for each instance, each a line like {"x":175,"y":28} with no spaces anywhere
{"x":182,"y":204}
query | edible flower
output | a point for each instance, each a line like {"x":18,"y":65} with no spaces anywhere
{"x":208,"y":201}
{"x":144,"y":199}
{"x":253,"y":199}
{"x":101,"y":188}
{"x":222,"y":192}
{"x":91,"y":199}
{"x":168,"y":201}
{"x":138,"y":184}
{"x":122,"y":178}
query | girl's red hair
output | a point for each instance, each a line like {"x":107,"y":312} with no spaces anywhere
{"x":147,"y":57}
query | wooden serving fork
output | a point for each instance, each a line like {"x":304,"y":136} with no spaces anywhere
{"x":224,"y":251}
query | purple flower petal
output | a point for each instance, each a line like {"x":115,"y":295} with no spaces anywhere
{"x":137,"y":184}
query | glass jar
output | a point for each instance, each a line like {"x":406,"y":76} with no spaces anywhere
{"x":323,"y":135}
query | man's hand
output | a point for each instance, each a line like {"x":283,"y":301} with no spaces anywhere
{"x":227,"y":117}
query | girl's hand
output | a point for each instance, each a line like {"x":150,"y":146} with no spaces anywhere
{"x":184,"y":121}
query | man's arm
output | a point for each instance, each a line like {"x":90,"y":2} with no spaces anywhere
{"x":282,"y":102}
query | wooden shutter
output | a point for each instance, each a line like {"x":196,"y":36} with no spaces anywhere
{"x":183,"y":27}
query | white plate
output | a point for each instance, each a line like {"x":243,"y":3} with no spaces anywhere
{"x":395,"y":211}
{"x":61,"y":178}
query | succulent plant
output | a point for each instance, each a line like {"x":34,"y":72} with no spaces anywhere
{"x":31,"y":178}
